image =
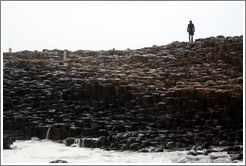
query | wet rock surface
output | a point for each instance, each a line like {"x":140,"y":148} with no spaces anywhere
{"x":7,"y":142}
{"x":59,"y":161}
{"x":178,"y":96}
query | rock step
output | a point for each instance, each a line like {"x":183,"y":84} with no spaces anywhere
{"x":178,"y":87}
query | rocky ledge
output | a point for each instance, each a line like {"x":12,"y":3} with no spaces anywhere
{"x":178,"y":96}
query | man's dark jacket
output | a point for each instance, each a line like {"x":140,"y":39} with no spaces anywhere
{"x":191,"y":29}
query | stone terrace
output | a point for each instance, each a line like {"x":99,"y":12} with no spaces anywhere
{"x":193,"y":87}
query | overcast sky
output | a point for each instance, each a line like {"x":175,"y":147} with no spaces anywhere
{"x":114,"y":24}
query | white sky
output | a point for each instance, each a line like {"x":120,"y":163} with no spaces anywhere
{"x":114,"y":24}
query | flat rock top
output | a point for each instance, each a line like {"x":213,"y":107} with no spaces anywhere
{"x":211,"y":63}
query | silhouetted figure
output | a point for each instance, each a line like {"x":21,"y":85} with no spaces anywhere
{"x":191,"y":30}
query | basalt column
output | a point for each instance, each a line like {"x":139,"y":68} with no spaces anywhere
{"x":180,"y":95}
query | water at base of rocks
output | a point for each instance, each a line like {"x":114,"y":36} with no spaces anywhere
{"x":45,"y":151}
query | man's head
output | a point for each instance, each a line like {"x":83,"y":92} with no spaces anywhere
{"x":190,"y":21}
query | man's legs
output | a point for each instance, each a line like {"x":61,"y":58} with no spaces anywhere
{"x":190,"y":38}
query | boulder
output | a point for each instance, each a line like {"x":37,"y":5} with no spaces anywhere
{"x":118,"y":137}
{"x":59,"y":161}
{"x":89,"y":143}
{"x":170,"y":145}
{"x":69,"y":141}
{"x":237,"y":156}
{"x":134,"y":146}
{"x":7,"y":142}
{"x":158,"y":149}
{"x":125,"y":147}
{"x":102,"y":141}
{"x":144,"y":150}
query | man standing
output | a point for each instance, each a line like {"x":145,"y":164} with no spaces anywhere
{"x":191,"y":30}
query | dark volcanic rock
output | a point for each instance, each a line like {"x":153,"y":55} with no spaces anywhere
{"x":134,"y":146}
{"x":237,"y":156}
{"x":59,"y":161}
{"x":7,"y":141}
{"x":165,"y":97}
{"x":89,"y":143}
{"x":69,"y":141}
{"x":102,"y":141}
